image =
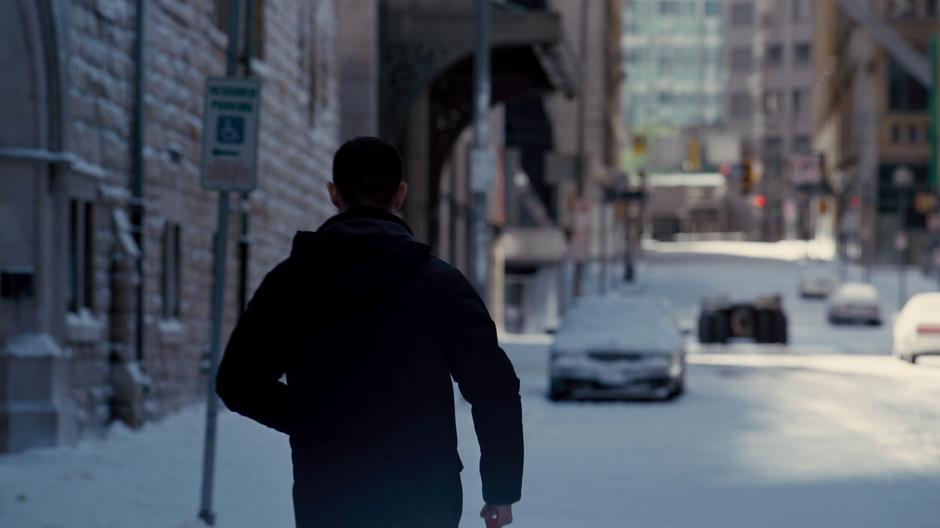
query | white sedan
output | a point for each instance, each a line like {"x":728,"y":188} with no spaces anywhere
{"x":855,"y":302}
{"x":611,"y":346}
{"x":817,"y":284}
{"x":917,"y":328}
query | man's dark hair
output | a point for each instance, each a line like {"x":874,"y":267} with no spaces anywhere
{"x":367,"y":171}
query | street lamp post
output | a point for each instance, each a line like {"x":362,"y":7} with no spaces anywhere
{"x":903,"y":180}
{"x":481,"y":159}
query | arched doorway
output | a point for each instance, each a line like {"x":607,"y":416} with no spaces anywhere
{"x":32,"y":302}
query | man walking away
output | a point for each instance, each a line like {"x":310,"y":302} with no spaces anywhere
{"x":369,"y":329}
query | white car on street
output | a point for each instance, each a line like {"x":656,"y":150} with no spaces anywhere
{"x":855,"y":302}
{"x":611,"y":346}
{"x":817,"y":283}
{"x":917,"y":328}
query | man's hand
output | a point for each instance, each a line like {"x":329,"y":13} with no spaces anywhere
{"x":497,"y":515}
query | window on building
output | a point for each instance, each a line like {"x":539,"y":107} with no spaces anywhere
{"x":713,"y":8}
{"x":665,"y":62}
{"x":912,"y":134}
{"x":668,"y":7}
{"x":800,"y":98}
{"x":742,"y":14}
{"x":171,"y":276}
{"x":797,"y":10}
{"x":774,"y":57}
{"x":773,"y":102}
{"x":905,"y":94}
{"x":741,"y":59}
{"x":802,"y":144}
{"x":81,"y":256}
{"x":895,"y":134}
{"x":740,"y":104}
{"x":802,"y":53}
{"x":902,"y":8}
{"x":773,"y":147}
{"x":931,"y":8}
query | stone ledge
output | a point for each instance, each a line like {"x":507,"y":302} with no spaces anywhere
{"x":171,"y":332}
{"x":83,"y":327}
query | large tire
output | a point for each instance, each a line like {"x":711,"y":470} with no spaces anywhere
{"x":763,"y":327}
{"x":705,"y":334}
{"x":780,"y":328}
{"x":720,"y":328}
{"x":555,"y":393}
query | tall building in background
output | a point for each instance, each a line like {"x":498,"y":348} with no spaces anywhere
{"x":768,"y":81}
{"x":673,"y":55}
{"x":872,"y":117}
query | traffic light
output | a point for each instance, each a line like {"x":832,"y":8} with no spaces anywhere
{"x":747,"y":177}
{"x":695,"y":155}
{"x":639,"y":144}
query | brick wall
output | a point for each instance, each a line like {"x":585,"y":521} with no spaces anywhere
{"x":300,"y":129}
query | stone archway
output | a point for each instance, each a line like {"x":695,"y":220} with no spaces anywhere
{"x":33,"y":406}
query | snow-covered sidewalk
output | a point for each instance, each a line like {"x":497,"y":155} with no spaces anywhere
{"x":150,"y":478}
{"x":758,"y":441}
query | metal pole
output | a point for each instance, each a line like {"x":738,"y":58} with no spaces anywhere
{"x":902,"y":249}
{"x":480,"y":160}
{"x":935,"y":133}
{"x":582,"y":69}
{"x":603,"y":239}
{"x":244,"y":241}
{"x":218,"y":297}
{"x":137,"y":172}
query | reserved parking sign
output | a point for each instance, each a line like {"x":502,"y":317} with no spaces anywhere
{"x":230,"y":134}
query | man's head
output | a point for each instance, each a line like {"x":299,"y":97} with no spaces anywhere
{"x":367,"y":171}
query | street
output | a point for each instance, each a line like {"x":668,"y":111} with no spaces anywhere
{"x":830,"y":431}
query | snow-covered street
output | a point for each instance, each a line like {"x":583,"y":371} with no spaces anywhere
{"x":828,"y":432}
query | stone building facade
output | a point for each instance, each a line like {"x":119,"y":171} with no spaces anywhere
{"x":872,"y":116}
{"x":768,"y":95}
{"x":74,"y":355}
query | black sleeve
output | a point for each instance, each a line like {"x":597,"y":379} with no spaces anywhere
{"x":487,"y":380}
{"x":249,"y":376}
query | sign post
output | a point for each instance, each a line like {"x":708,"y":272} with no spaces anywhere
{"x":229,"y":164}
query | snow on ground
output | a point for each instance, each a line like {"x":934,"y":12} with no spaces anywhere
{"x":821,"y":442}
{"x":787,"y":250}
{"x":686,"y":278}
{"x":831,"y":432}
{"x":150,"y":478}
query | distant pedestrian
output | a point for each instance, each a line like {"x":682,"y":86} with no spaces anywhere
{"x":369,"y":329}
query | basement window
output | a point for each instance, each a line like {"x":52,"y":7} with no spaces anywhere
{"x":170,"y":278}
{"x":81,"y":287}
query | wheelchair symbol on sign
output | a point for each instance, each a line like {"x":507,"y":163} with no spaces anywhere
{"x":230,"y":130}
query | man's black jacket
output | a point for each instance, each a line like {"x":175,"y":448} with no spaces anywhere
{"x":369,"y":329}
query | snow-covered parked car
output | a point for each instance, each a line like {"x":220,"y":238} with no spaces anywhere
{"x":817,"y":282}
{"x":917,"y":328}
{"x":855,"y":302}
{"x":610,"y":346}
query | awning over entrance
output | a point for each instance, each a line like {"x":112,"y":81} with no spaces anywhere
{"x":422,"y":40}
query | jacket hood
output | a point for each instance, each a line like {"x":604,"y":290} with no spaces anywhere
{"x":356,"y":255}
